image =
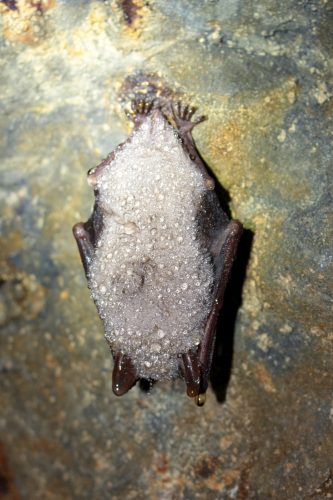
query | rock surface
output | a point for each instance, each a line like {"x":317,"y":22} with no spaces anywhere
{"x":262,"y":73}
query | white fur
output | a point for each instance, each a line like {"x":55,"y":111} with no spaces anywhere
{"x":150,"y":277}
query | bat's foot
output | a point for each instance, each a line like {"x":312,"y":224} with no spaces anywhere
{"x":182,"y":116}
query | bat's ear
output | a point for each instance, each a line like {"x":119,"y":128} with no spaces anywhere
{"x":124,"y":374}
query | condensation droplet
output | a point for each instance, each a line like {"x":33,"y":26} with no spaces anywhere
{"x":130,"y":228}
{"x":155,"y":347}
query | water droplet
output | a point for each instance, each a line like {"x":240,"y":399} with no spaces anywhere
{"x":155,"y":347}
{"x":130,"y":228}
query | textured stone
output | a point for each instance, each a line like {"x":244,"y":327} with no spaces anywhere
{"x":262,"y":73}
